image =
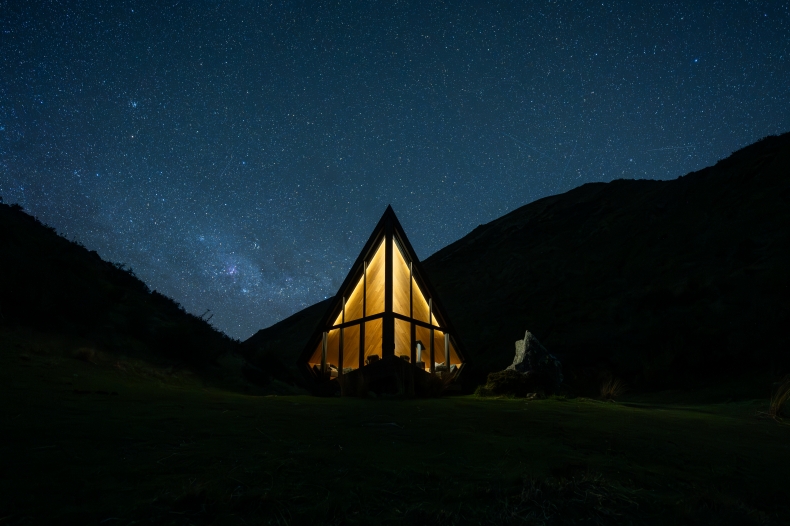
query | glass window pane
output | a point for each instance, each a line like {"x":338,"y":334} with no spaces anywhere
{"x":438,"y":348}
{"x":353,"y":304}
{"x":338,"y":319}
{"x":423,"y":335}
{"x":373,"y":338}
{"x":332,"y":349}
{"x":315,"y":359}
{"x":421,"y":311}
{"x":375,"y":285}
{"x":400,"y":282}
{"x":454,"y":359}
{"x":351,"y":347}
{"x":402,"y":338}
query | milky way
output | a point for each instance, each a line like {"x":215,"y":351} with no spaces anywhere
{"x":237,"y":156}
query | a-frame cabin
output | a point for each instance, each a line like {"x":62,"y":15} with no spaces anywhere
{"x":385,"y":330}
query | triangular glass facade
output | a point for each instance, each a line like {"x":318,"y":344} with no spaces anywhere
{"x":384,"y":310}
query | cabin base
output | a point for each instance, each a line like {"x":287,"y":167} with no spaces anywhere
{"x":392,"y":376}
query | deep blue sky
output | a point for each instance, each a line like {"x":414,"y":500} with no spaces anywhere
{"x":237,"y":155}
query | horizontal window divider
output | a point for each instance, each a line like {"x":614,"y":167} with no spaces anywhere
{"x":381,"y":315}
{"x":418,"y":322}
{"x":356,"y":322}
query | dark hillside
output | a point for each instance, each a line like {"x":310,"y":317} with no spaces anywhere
{"x":54,"y":286}
{"x":275,"y":348}
{"x":659,"y":282}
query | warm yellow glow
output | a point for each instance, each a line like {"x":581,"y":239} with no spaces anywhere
{"x":424,"y":335}
{"x":353,"y":304}
{"x":315,"y":359}
{"x":400,"y":282}
{"x":373,"y":337}
{"x":375,"y":287}
{"x":420,"y":304}
{"x":438,"y":346}
{"x":351,"y":347}
{"x":408,"y":300}
{"x":332,"y":349}
{"x":402,"y":338}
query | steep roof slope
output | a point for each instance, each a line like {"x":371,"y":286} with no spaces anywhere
{"x":656,"y":281}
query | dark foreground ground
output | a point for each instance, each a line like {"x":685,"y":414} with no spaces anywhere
{"x":118,"y":442}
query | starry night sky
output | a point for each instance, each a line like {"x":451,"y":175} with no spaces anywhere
{"x":237,"y":155}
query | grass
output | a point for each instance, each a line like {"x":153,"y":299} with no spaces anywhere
{"x":89,"y":442}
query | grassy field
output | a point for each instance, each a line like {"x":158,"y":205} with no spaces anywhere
{"x":118,"y":442}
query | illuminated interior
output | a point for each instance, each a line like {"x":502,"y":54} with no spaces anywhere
{"x":421,"y":311}
{"x":354,"y":303}
{"x":400,"y":283}
{"x":373,"y":335}
{"x":351,"y":347}
{"x":402,"y":338}
{"x":423,"y":335}
{"x":375,"y":283}
{"x":356,"y":332}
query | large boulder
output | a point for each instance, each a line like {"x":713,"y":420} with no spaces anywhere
{"x":529,"y":353}
{"x":534,"y":361}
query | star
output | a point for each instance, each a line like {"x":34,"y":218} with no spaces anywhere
{"x":243,"y":155}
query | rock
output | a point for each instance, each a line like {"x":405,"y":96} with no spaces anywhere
{"x":526,"y":349}
{"x":532,"y":358}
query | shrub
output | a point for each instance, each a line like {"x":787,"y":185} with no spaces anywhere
{"x":779,"y":398}
{"x":512,"y":383}
{"x":612,"y":388}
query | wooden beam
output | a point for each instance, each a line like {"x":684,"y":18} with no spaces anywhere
{"x":388,"y":330}
{"x":364,"y":314}
{"x":323,"y":355}
{"x":381,"y":315}
{"x":412,"y":328}
{"x":416,"y":322}
{"x":340,"y":350}
{"x":361,"y":345}
{"x":433,"y":352}
{"x":447,"y":351}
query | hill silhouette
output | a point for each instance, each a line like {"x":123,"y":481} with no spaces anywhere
{"x":660,"y":283}
{"x":54,"y":286}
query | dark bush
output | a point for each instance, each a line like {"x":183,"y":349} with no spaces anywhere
{"x":514,"y":383}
